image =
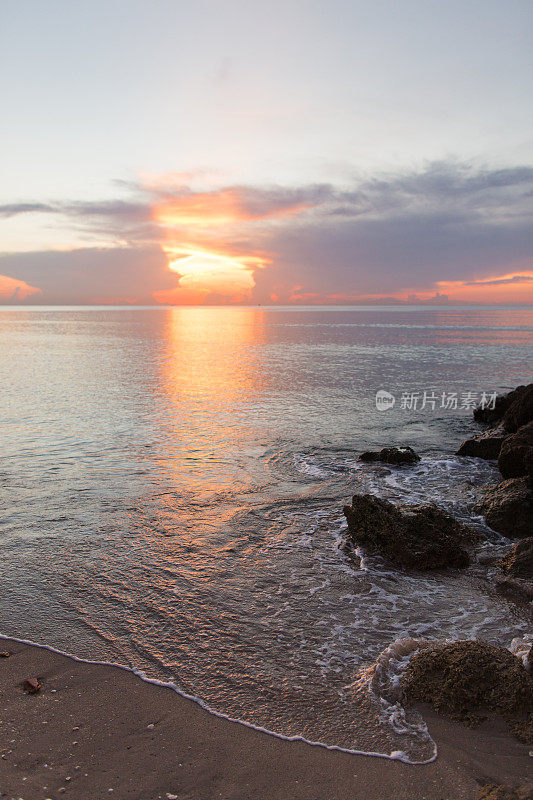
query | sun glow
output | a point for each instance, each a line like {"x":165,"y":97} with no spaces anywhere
{"x":202,"y":235}
{"x":207,"y":276}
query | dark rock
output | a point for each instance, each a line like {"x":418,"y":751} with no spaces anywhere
{"x":486,"y":444}
{"x":369,"y":455}
{"x":515,"y":589}
{"x":391,"y":455}
{"x":519,"y":560}
{"x":508,"y":507}
{"x":501,"y":405}
{"x":520,"y":411}
{"x":417,"y":536}
{"x":463,"y":680}
{"x":528,"y":463}
{"x":514,"y":450}
{"x":31,"y":686}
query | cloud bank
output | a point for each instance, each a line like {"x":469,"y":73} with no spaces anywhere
{"x":450,"y":228}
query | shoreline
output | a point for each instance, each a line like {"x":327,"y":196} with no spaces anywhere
{"x":201,"y":704}
{"x":113,"y":734}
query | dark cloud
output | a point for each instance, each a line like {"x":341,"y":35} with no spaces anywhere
{"x":14,"y":209}
{"x":91,"y":275}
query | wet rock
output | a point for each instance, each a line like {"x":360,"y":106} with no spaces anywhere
{"x":416,"y":537}
{"x":528,"y":462}
{"x":515,"y":589}
{"x":520,"y":410}
{"x":31,"y":686}
{"x":514,"y":451}
{"x":391,"y":455}
{"x":369,"y":455}
{"x":508,"y":507}
{"x":464,"y":680}
{"x":486,"y":444}
{"x":502,"y":404}
{"x":493,"y":792}
{"x":519,"y":560}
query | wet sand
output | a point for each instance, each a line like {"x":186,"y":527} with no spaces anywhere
{"x":100,"y":732}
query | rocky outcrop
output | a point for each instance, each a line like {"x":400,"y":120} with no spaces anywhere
{"x":391,"y":455}
{"x":528,"y":462}
{"x":508,"y":507}
{"x":413,"y":537}
{"x":503,"y":402}
{"x":517,"y":566}
{"x":510,"y":414}
{"x":519,"y":560}
{"x":464,"y":680}
{"x":514,"y":451}
{"x":486,"y":444}
{"x":520,"y":410}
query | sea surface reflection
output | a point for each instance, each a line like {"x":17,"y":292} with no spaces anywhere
{"x":172,"y":483}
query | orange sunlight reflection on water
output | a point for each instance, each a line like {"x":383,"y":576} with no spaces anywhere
{"x":209,"y":371}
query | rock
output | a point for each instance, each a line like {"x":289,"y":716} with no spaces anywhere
{"x":416,"y":537}
{"x":391,"y":455}
{"x":501,"y":405}
{"x":515,"y":589}
{"x":5,"y":653}
{"x":31,"y":686}
{"x":369,"y":455}
{"x":486,"y":444}
{"x":463,"y":680}
{"x":519,"y":560}
{"x":492,"y":792}
{"x":528,"y":463}
{"x":508,"y":508}
{"x":520,"y":410}
{"x":514,"y":451}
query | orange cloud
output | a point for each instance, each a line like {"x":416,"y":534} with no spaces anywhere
{"x":223,"y":207}
{"x":197,"y":230}
{"x":13,"y":289}
{"x":513,"y":287}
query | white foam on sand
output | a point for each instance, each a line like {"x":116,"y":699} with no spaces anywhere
{"x":396,"y":755}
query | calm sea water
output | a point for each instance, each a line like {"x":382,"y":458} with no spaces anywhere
{"x":172,"y":483}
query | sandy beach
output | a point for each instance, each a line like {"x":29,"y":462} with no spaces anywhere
{"x":98,"y":731}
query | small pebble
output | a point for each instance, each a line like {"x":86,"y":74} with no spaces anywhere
{"x":151,"y":726}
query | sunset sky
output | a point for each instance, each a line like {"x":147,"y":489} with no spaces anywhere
{"x":298,"y":151}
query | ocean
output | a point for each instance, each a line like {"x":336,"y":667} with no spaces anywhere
{"x":172,"y":483}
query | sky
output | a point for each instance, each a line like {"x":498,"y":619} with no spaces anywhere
{"x":303,"y":152}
